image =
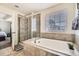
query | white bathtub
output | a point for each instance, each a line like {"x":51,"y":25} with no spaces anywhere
{"x":53,"y":46}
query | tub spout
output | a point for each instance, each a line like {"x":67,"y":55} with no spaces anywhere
{"x":35,"y":40}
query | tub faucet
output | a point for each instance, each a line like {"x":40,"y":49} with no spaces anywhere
{"x":35,"y":40}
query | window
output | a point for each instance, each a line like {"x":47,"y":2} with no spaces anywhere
{"x":34,"y":24}
{"x":56,"y":21}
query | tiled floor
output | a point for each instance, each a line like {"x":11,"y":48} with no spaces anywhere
{"x":9,"y":52}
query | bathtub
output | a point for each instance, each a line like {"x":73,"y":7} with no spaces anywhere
{"x":53,"y":46}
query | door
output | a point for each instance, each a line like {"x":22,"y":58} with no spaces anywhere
{"x":22,"y":28}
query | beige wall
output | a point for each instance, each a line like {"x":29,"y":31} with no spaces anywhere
{"x":71,"y":13}
{"x":13,"y":13}
{"x":5,"y":26}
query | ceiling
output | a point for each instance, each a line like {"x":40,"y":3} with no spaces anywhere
{"x":28,"y":7}
{"x":4,"y":16}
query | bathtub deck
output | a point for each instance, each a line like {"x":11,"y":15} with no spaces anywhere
{"x":52,"y":46}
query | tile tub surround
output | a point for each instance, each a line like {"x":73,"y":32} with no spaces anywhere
{"x":59,"y":36}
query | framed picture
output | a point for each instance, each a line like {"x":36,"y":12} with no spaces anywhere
{"x":75,"y":23}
